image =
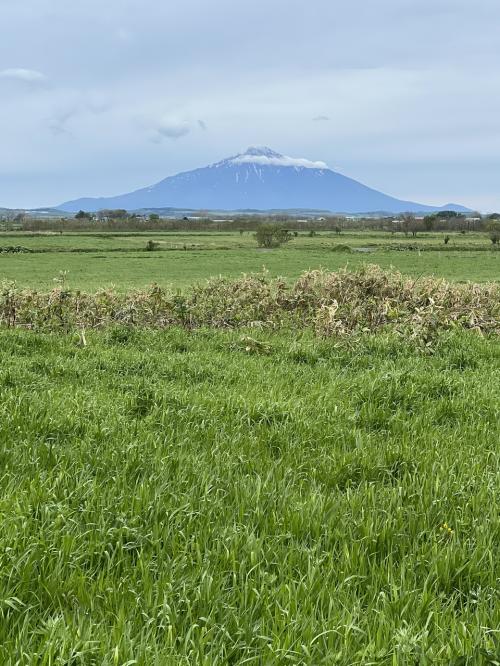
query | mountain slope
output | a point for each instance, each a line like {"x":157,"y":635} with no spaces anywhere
{"x":258,"y":179}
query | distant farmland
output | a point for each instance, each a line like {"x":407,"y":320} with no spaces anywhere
{"x":95,"y":260}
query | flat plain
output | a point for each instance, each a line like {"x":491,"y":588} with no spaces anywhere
{"x":93,"y":261}
{"x":261,"y":495}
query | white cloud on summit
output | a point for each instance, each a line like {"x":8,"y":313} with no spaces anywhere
{"x":284,"y":161}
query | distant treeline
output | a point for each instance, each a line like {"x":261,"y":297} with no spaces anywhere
{"x":121,"y":221}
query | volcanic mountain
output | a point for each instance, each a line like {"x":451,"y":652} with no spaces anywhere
{"x":258,"y":179}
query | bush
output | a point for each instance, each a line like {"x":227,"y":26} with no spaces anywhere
{"x":341,"y":247}
{"x":15,"y":249}
{"x":494,"y":231}
{"x":328,"y":303}
{"x":271,"y":235}
{"x":83,"y":215}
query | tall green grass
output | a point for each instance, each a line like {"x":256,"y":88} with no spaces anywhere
{"x":240,"y":497}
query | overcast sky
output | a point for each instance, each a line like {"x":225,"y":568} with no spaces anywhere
{"x":99,"y":98}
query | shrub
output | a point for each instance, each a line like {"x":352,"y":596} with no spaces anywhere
{"x":494,"y":231}
{"x":341,"y":247}
{"x":329,"y":303}
{"x":271,"y":235}
{"x":15,"y":249}
{"x":83,"y":215}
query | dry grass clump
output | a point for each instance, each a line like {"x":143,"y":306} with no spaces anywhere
{"x":372,"y":298}
{"x":330,"y":303}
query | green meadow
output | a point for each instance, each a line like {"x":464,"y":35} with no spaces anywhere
{"x":189,"y":498}
{"x":202,"y":494}
{"x":93,"y":261}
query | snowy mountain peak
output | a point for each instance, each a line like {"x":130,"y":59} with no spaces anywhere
{"x":264,"y":156}
{"x":262,"y":151}
{"x":261,"y":179}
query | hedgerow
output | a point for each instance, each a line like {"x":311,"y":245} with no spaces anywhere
{"x":329,"y":303}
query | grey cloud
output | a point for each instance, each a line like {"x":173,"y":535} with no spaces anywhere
{"x":172,"y":128}
{"x":59,"y":124}
{"x":319,"y":119}
{"x":77,"y":107}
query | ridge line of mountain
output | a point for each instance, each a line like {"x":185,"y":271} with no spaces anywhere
{"x":260,"y":179}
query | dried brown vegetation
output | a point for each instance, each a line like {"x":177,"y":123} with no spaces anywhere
{"x":330,"y":303}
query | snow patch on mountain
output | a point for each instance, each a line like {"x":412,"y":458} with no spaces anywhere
{"x":259,"y":179}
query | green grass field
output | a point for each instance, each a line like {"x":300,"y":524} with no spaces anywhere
{"x":183,"y":498}
{"x":93,"y":261}
{"x":258,"y":496}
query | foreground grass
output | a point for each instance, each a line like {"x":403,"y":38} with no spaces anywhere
{"x":230,"y":498}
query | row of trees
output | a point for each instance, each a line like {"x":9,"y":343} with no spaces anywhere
{"x":120,"y":220}
{"x":274,"y":235}
{"x":409,"y":224}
